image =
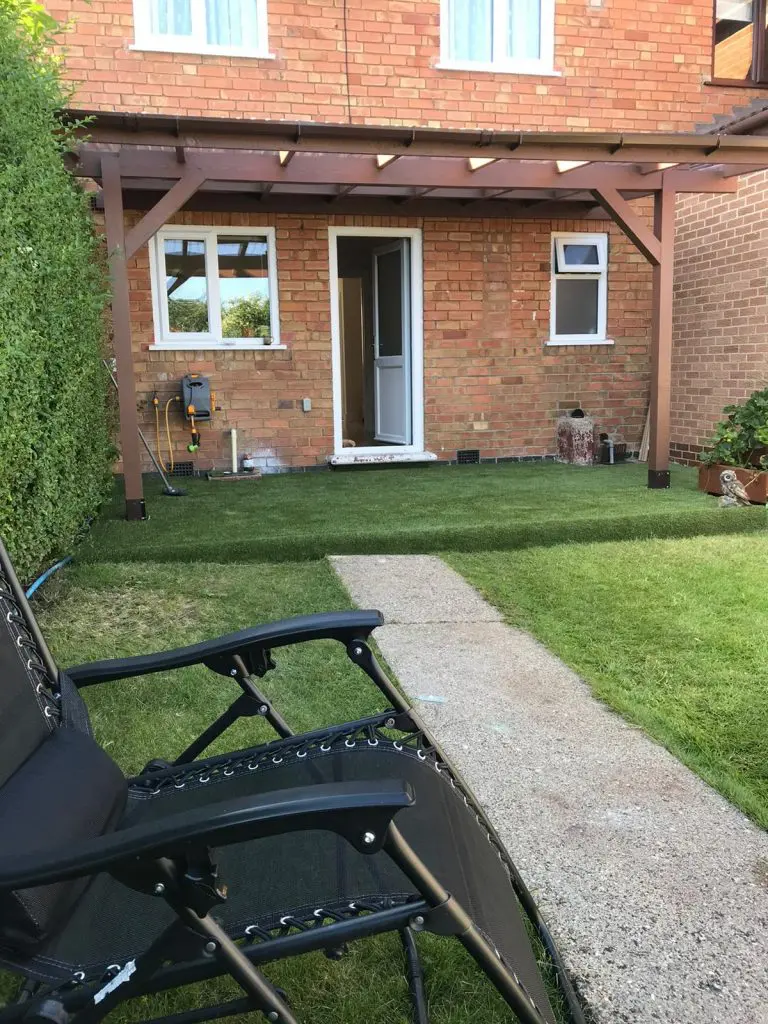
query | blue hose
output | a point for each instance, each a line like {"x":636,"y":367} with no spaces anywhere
{"x":47,"y":574}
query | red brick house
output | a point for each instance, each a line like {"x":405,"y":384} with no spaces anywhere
{"x":398,"y":229}
{"x":720,"y":352}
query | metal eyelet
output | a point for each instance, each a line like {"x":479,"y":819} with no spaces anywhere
{"x":352,"y":906}
{"x":397,"y":746}
{"x":229,"y":771}
{"x":284,"y":919}
{"x":373,"y":743}
{"x":204,"y":779}
{"x":325,"y":747}
{"x":277,"y":760}
{"x":47,"y":712}
{"x":421,"y":755}
{"x":78,"y":976}
{"x":300,"y":755}
{"x":349,"y":743}
{"x":251,"y":929}
{"x":251,"y":766}
{"x":179,"y":785}
{"x":319,"y":913}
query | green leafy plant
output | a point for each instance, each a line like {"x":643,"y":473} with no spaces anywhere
{"x":247,"y":318}
{"x":188,"y":315}
{"x":742,"y":438}
{"x":55,"y":415}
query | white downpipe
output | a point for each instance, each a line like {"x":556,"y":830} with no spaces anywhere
{"x":233,"y":436}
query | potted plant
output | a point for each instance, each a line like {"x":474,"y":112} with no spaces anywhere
{"x":740,"y":443}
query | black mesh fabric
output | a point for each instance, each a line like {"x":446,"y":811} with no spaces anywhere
{"x":69,"y":789}
{"x":26,"y":715}
{"x":300,"y":872}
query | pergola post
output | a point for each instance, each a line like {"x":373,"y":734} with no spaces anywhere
{"x":123,"y":247}
{"x":661,"y":339}
{"x":658,"y":247}
{"x":121,"y":333}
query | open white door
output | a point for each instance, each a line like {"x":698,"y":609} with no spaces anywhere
{"x":392,"y":342}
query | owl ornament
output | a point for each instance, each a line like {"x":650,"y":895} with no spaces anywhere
{"x":734,"y":494}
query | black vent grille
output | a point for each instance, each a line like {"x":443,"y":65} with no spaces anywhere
{"x":468,"y":456}
{"x":183,"y":469}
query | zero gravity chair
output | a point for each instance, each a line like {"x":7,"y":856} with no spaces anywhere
{"x":112,"y":888}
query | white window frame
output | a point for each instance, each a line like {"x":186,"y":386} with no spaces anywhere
{"x":597,"y":273}
{"x":543,"y":65}
{"x":146,"y":39}
{"x":212,"y":338}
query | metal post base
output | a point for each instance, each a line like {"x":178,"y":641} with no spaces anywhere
{"x":658,"y":479}
{"x":135,"y":509}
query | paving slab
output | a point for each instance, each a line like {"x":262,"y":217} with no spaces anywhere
{"x":655,"y":887}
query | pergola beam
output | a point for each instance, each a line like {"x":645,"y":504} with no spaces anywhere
{"x":171,"y":203}
{"x":233,"y":134}
{"x":408,"y":172}
{"x":633,"y":226}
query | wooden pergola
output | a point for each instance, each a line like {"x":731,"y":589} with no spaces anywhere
{"x":160,"y":164}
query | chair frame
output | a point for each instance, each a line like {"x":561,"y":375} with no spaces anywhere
{"x":170,"y":858}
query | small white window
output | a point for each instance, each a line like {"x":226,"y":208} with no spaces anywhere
{"x":579,"y":288}
{"x":215,"y":287}
{"x":498,"y":35}
{"x":231,"y":27}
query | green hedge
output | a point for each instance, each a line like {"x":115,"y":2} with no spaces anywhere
{"x":55,"y":447}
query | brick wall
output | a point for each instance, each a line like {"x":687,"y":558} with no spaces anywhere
{"x":490,"y":383}
{"x":622,"y":64}
{"x":720,"y":351}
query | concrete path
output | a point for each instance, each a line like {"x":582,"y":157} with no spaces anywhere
{"x":655,"y":887}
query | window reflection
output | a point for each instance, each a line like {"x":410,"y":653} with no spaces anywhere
{"x":734,"y":39}
{"x":186,"y":285}
{"x":244,"y":286}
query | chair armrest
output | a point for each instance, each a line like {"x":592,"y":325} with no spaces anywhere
{"x":251,"y":644}
{"x":354,"y":810}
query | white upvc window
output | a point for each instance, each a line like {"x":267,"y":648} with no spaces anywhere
{"x":236,"y":28}
{"x":215,"y":288}
{"x":579,"y":297}
{"x":498,"y":35}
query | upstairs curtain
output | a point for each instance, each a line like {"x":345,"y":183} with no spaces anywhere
{"x":524,"y":29}
{"x":171,"y":17}
{"x":476,"y":35}
{"x":471,"y":30}
{"x":232,"y":23}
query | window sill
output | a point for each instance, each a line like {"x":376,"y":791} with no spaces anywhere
{"x":211,"y":346}
{"x":499,"y":69}
{"x":727,"y":83}
{"x":579,"y":341}
{"x":151,"y":46}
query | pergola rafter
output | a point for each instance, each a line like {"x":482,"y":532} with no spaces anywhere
{"x":161,"y":164}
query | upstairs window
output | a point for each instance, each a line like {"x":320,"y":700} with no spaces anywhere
{"x":231,"y":27}
{"x":498,"y":35}
{"x":740,"y":41}
{"x":579,"y":288}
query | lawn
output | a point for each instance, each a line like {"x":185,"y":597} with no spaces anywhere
{"x":108,"y":610}
{"x":409,"y":510}
{"x":673,"y":634}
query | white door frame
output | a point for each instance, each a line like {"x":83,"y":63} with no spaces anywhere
{"x":417,"y":338}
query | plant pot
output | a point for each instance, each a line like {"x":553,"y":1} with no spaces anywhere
{"x":754,"y":481}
